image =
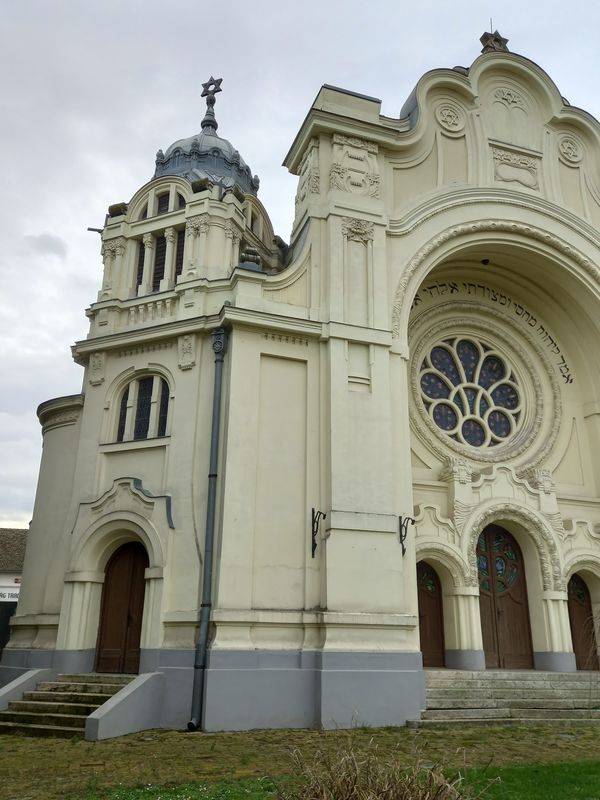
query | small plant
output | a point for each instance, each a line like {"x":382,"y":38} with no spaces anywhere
{"x":348,"y":774}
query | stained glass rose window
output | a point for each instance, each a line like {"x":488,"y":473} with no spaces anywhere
{"x":470,"y":392}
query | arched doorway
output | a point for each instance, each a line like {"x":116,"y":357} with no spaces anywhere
{"x":431,"y":616}
{"x":118,"y":647}
{"x":581,"y":618}
{"x":503,"y":601}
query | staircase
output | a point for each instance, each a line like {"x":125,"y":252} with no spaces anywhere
{"x":510,"y":697}
{"x":61,"y":707}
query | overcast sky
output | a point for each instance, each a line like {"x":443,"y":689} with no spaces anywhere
{"x":90,"y":91}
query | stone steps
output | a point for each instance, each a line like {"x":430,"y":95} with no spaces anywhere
{"x":510,"y":697}
{"x":61,"y":707}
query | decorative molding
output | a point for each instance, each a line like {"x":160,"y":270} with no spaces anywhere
{"x":584,"y":527}
{"x":286,"y":338}
{"x":96,"y":368}
{"x":187,"y":351}
{"x":570,"y":149}
{"x":473,"y":228}
{"x":144,"y":348}
{"x":129,"y":494}
{"x":148,"y":240}
{"x":170,"y":235}
{"x":511,"y":166}
{"x":450,"y":117}
{"x":113,"y":248}
{"x":476,"y":317}
{"x":355,"y":141}
{"x":536,"y":527}
{"x":60,"y":412}
{"x":540,"y":479}
{"x":456,"y":469}
{"x":195,"y":226}
{"x":354,"y":168}
{"x":509,"y":97}
{"x":357,"y":230}
{"x":231,"y":232}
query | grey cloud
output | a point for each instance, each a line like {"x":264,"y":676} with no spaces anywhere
{"x":47,"y":244}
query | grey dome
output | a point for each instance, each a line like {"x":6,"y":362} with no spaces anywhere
{"x":207,"y":155}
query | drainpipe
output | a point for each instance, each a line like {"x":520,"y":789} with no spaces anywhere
{"x":219,"y":345}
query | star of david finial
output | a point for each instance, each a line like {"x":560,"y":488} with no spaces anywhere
{"x":493,"y":42}
{"x":211,"y":87}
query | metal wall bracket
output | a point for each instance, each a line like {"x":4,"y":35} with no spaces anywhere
{"x":317,"y":516}
{"x":403,"y":530}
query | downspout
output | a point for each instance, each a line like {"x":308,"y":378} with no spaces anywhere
{"x":219,"y":345}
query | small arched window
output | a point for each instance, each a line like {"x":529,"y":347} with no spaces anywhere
{"x":144,"y":409}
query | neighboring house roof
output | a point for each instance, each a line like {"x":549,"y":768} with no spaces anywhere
{"x":12,"y":549}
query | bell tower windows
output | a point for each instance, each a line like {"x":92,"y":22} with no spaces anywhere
{"x":143,"y":409}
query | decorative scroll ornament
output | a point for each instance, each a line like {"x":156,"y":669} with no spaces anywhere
{"x":357,"y":230}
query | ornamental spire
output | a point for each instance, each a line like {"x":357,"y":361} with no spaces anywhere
{"x":211,"y":87}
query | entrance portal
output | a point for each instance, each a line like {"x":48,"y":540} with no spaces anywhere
{"x":122,"y":608}
{"x":503,"y":601}
{"x":582,"y":624}
{"x":431,"y":619}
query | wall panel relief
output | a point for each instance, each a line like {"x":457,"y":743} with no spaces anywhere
{"x":354,"y":168}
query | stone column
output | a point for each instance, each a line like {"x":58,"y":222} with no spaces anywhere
{"x":168,"y":280}
{"x":146,"y":284}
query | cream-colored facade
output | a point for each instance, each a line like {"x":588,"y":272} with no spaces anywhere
{"x":461,"y":236}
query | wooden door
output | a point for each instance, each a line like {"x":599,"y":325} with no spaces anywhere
{"x":431,"y":617}
{"x":503,"y":601}
{"x":582,"y":624}
{"x":122,"y":608}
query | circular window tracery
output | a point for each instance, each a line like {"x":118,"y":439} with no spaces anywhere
{"x":470,"y":392}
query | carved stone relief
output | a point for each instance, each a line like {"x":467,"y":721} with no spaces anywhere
{"x":354,"y":168}
{"x":96,"y":369}
{"x":509,"y":97}
{"x":450,"y":117}
{"x":512,"y":166}
{"x":197,"y":225}
{"x":309,"y":174}
{"x":187,"y":351}
{"x":357,"y":230}
{"x":570,"y":149}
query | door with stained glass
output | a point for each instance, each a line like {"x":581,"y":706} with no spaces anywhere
{"x":431,"y":618}
{"x":503,"y":601}
{"x":582,"y":624}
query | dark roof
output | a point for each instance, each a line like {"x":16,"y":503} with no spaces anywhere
{"x":12,"y":549}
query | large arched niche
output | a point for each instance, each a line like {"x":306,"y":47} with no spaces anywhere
{"x":539,"y":297}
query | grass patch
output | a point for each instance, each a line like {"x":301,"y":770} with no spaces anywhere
{"x":575,"y":781}
{"x":59,"y":769}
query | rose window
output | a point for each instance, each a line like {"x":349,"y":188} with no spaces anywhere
{"x":470,"y":392}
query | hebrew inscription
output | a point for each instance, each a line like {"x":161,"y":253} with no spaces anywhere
{"x":504,"y":302}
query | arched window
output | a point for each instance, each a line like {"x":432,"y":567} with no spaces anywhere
{"x":144,"y":409}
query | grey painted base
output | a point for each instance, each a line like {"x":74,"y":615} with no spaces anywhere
{"x":555,"y":662}
{"x":16,"y":662}
{"x":252,"y":689}
{"x":465,"y":659}
{"x":269,"y":689}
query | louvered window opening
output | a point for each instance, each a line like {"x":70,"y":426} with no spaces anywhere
{"x":179,"y":253}
{"x":159,"y":263}
{"x":144,"y":409}
{"x":163,"y":203}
